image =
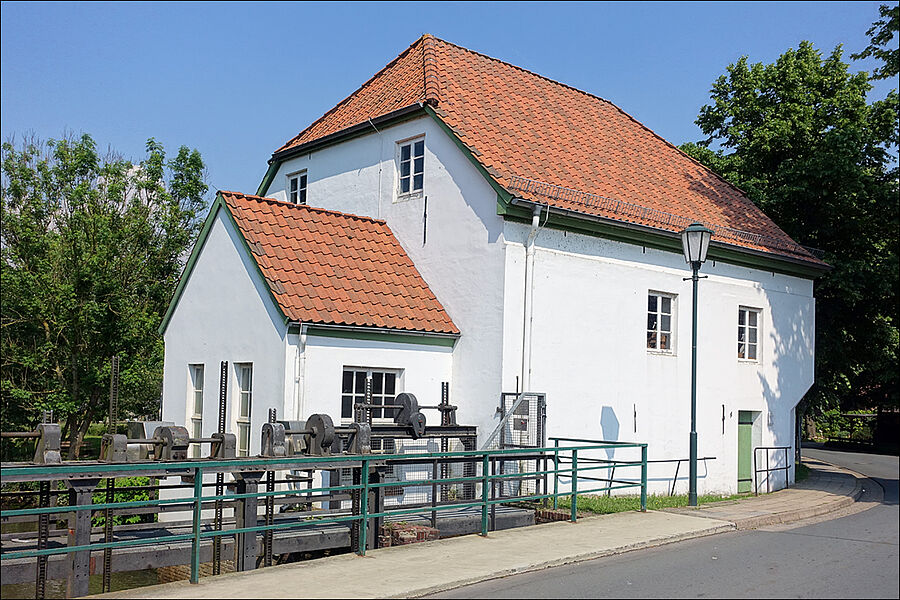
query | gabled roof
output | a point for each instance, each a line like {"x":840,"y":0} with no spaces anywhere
{"x":549,"y":143}
{"x":330,"y":268}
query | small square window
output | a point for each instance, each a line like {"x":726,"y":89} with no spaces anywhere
{"x":659,"y":322}
{"x":748,"y":334}
{"x":411,"y":167}
{"x":297,"y":188}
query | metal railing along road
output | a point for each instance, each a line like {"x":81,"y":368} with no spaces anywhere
{"x":568,"y":462}
{"x":786,"y":468}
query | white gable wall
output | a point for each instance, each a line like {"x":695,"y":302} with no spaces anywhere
{"x":462,"y":257}
{"x":224,"y":313}
{"x":590,"y":355}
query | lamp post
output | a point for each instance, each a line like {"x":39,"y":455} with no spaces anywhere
{"x":695,"y":242}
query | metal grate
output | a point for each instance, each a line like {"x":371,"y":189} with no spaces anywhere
{"x":654,"y":215}
{"x":523,"y":426}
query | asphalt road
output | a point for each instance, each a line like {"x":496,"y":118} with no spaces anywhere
{"x":854,"y":556}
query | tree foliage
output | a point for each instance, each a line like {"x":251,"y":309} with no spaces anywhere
{"x":92,"y":248}
{"x":881,"y":33}
{"x":799,"y":137}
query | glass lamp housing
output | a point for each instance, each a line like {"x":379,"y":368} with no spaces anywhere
{"x":695,"y":243}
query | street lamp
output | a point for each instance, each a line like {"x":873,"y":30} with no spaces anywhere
{"x":695,"y":242}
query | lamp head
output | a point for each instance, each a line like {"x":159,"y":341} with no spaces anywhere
{"x":695,"y":243}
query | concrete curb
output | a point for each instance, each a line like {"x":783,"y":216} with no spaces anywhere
{"x":839,"y":502}
{"x":568,"y":560}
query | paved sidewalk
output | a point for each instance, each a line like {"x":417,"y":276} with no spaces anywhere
{"x":419,"y":569}
{"x":828,"y":488}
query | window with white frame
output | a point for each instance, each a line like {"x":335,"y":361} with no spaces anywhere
{"x":297,"y":187}
{"x":659,"y":322}
{"x":412,"y":166}
{"x":244,"y":372}
{"x":353,"y":390}
{"x":748,"y":333}
{"x":195,"y":402}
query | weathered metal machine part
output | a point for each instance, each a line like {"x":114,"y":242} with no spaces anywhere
{"x":120,"y":448}
{"x":272,"y":440}
{"x":278,"y":448}
{"x":47,"y":450}
{"x":80,"y":493}
{"x":245,"y":514}
{"x":40,"y":589}
{"x":174,"y":440}
{"x":220,"y":477}
{"x":224,"y":446}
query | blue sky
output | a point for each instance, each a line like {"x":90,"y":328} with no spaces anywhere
{"x":237,"y":80}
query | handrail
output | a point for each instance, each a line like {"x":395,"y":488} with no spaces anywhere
{"x":565,"y":463}
{"x":786,"y":468}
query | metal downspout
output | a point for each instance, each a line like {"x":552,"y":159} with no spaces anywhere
{"x":300,"y":374}
{"x":528,"y":313}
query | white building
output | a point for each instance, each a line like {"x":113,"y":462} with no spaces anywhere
{"x":545,"y":222}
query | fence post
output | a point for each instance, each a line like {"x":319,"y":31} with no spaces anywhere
{"x":574,"y":485}
{"x":643,"y":477}
{"x":364,"y":509}
{"x":555,"y":474}
{"x":787,"y":469}
{"x":485,"y":467}
{"x":195,"y":544}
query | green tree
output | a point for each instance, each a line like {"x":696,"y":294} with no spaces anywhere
{"x":92,"y":248}
{"x":799,"y":137}
{"x":881,"y":33}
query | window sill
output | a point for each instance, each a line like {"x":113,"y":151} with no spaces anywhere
{"x":407,"y":197}
{"x":748,"y":361}
{"x":661,"y":353}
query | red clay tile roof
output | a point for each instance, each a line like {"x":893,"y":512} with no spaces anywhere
{"x":329,"y":267}
{"x":521,"y":126}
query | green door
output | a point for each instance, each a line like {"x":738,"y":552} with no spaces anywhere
{"x":745,"y":451}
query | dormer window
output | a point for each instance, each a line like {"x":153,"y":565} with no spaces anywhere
{"x":297,"y":188}
{"x":412,"y":167}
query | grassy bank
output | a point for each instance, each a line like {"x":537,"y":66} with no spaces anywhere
{"x":603,"y":505}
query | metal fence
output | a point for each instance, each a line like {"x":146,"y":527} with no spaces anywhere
{"x":566,"y":471}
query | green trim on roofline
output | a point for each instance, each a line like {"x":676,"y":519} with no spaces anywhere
{"x":501,"y":191}
{"x":355,"y":131}
{"x":268,"y":178}
{"x":666,"y":241}
{"x":195,"y":254}
{"x":423,"y":339}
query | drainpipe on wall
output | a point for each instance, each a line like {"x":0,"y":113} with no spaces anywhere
{"x":528,"y":313}
{"x":300,"y":374}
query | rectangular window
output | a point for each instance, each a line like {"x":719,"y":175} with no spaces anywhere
{"x":196,"y":403}
{"x":659,"y":322}
{"x":353,"y":391}
{"x":244,"y":373}
{"x":412,"y":167}
{"x":297,"y":188}
{"x":748,"y":333}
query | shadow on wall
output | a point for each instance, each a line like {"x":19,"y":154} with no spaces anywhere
{"x":609,"y":425}
{"x":792,"y":346}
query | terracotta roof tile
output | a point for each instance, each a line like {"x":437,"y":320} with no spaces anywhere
{"x":522,"y":126}
{"x":333,"y":268}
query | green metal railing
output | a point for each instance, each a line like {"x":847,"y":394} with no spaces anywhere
{"x":570,"y":463}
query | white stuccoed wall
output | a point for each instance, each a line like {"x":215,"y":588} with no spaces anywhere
{"x":590,"y":356}
{"x":462,"y":259}
{"x":423,"y":368}
{"x":224,"y":313}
